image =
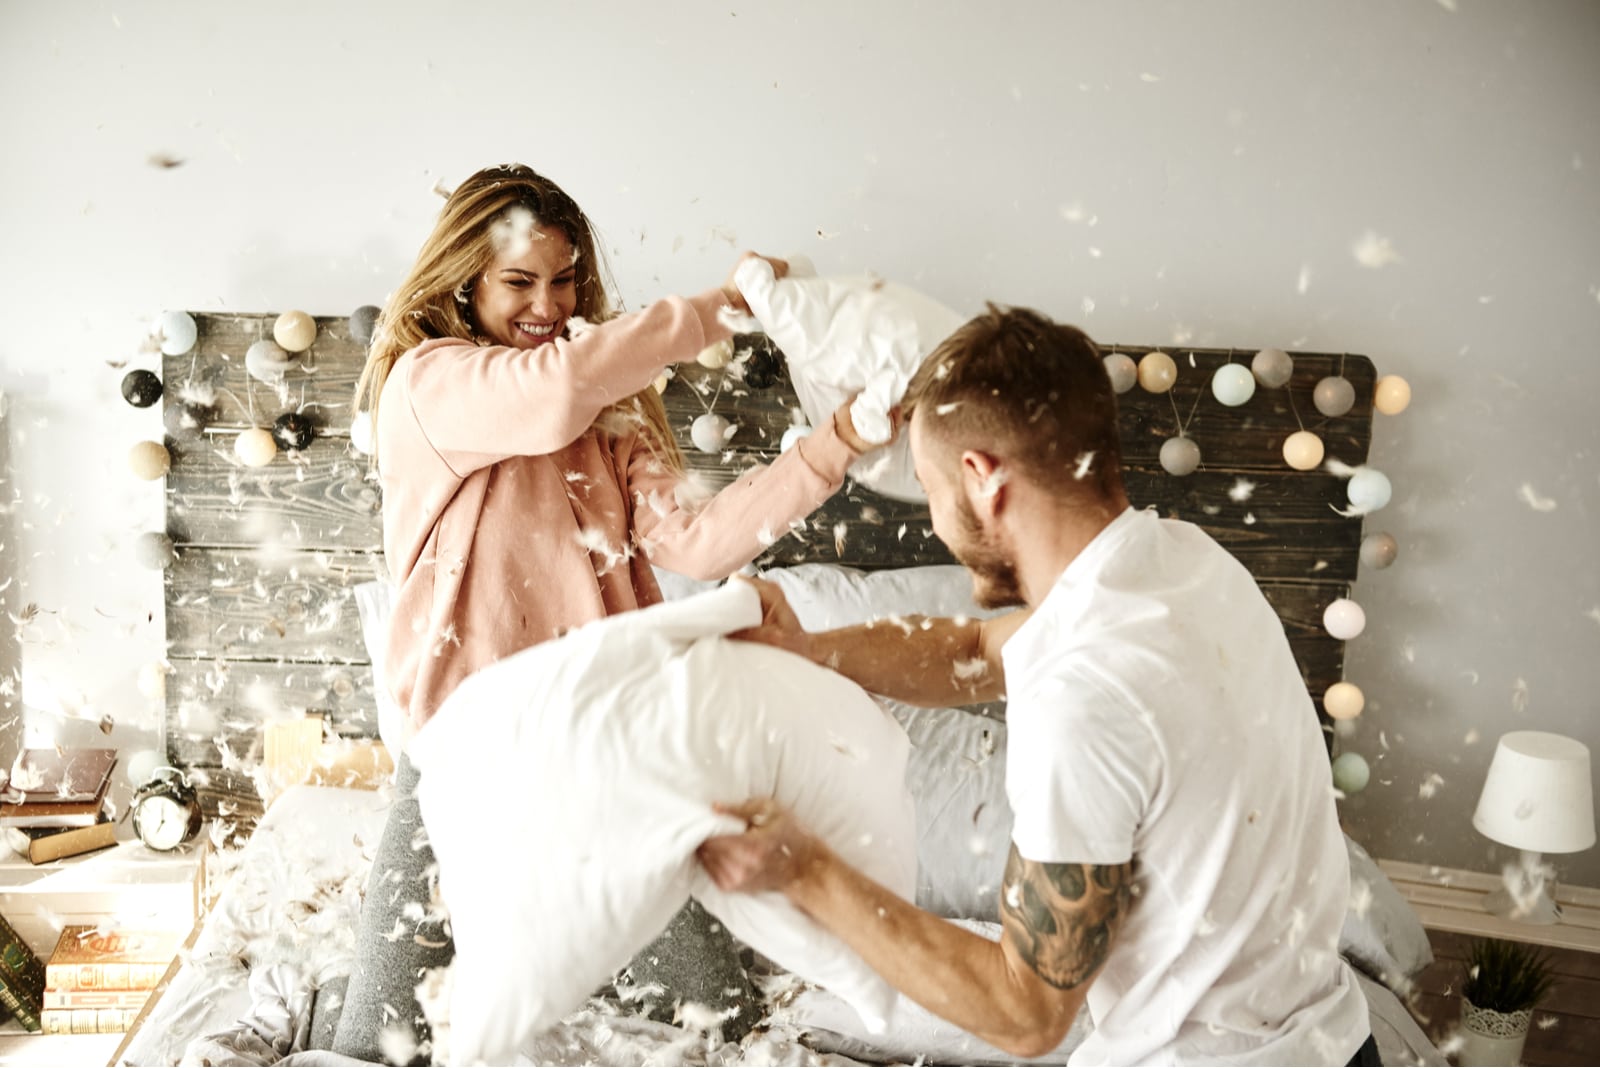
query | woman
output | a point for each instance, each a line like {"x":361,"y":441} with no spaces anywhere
{"x":530,"y":481}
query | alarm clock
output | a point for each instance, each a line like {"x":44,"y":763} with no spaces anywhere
{"x":166,"y":810}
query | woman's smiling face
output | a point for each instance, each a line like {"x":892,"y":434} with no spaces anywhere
{"x":529,"y":292}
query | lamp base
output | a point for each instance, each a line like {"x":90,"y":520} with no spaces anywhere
{"x":1524,"y":896}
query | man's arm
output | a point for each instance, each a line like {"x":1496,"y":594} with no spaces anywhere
{"x":1058,"y":925}
{"x":916,"y":659}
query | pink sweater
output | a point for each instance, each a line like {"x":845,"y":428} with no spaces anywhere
{"x":509,"y":518}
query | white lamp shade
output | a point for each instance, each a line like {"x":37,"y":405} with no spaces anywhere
{"x":1538,"y":795}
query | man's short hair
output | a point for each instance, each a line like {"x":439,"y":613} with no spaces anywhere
{"x":1032,"y":392}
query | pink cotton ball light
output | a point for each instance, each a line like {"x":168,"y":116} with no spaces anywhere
{"x":1344,"y":619}
{"x":1343,"y":700}
{"x":1302,"y":450}
{"x":1392,"y":395}
{"x":294,"y":331}
{"x":1157,"y":372}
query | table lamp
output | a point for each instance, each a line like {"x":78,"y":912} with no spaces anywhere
{"x":1538,"y":798}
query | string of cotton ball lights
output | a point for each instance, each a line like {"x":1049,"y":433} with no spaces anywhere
{"x":1368,"y":490}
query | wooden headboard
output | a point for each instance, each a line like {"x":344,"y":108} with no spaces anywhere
{"x":260,"y":611}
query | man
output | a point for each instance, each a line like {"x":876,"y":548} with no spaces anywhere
{"x":1176,"y":861}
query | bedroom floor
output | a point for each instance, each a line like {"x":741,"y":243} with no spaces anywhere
{"x":1566,"y":1028}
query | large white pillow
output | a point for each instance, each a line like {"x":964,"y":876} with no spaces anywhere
{"x":846,"y":335}
{"x":825,"y":596}
{"x":566,"y":788}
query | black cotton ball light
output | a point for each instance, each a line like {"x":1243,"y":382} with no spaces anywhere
{"x":141,"y":388}
{"x":363,"y":323}
{"x":761,"y":369}
{"x":291,"y":430}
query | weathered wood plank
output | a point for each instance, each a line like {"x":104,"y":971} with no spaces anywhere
{"x":233,"y":699}
{"x":322,"y":385}
{"x":324,"y":497}
{"x":263,"y":604}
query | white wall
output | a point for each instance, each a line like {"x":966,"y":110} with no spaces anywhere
{"x":1157,"y":172}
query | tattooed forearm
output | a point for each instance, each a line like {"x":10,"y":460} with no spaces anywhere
{"x":1061,"y":917}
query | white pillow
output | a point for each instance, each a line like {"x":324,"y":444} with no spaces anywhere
{"x":1382,"y":935}
{"x":375,"y":606}
{"x":845,"y":335}
{"x":917,"y":1036}
{"x":825,"y":596}
{"x":957,"y":777}
{"x":566,"y":788}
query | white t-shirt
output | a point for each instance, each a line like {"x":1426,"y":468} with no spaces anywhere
{"x":1156,"y":712}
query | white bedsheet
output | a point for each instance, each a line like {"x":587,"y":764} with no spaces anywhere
{"x":287,"y":917}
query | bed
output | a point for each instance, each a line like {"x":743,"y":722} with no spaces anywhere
{"x":264,"y":605}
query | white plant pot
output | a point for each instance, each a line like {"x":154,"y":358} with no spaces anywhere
{"x":1489,"y":1037}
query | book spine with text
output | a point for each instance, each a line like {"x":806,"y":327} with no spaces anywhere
{"x":88,"y":1021}
{"x":21,"y":978}
{"x":108,"y":976}
{"x":95,"y":999}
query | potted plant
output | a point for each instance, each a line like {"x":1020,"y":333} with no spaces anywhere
{"x":1505,"y":980}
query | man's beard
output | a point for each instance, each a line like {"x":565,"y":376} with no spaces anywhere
{"x":994,"y":576}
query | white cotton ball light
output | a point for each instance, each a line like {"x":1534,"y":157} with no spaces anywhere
{"x":1334,"y":396}
{"x":1302,"y":450}
{"x":255,"y":447}
{"x":153,"y":550}
{"x":142,"y":765}
{"x":1180,"y":456}
{"x":1351,"y":773}
{"x":792,"y":435}
{"x":361,"y":433}
{"x":1343,"y":700}
{"x":710,"y":432}
{"x":1392,"y":395}
{"x":295,"y":331}
{"x":1379,"y":550}
{"x":1369,"y":490}
{"x":177,"y":332}
{"x":662,"y":381}
{"x":716,"y":356}
{"x":149,"y":460}
{"x":1344,"y":619}
{"x":1157,"y":372}
{"x":267,"y":361}
{"x":1233,"y":384}
{"x":1272,"y":368}
{"x":1122,"y":371}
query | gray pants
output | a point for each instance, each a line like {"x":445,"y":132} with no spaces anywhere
{"x":694,"y":960}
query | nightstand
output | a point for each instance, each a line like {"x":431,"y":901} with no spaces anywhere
{"x":1450,"y":904}
{"x":128,"y":884}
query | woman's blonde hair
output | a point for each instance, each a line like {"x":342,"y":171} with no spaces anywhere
{"x":435,"y":300}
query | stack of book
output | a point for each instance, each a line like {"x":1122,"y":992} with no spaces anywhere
{"x":54,"y":804}
{"x":97,"y":981}
{"x":21,"y":979}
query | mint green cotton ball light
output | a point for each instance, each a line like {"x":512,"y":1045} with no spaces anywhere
{"x":1351,"y":773}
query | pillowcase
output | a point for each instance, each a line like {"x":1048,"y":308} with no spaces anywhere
{"x":849,"y":335}
{"x":825,"y":596}
{"x":566,"y":788}
{"x":957,"y":777}
{"x":1382,"y":935}
{"x":916,"y":1036}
